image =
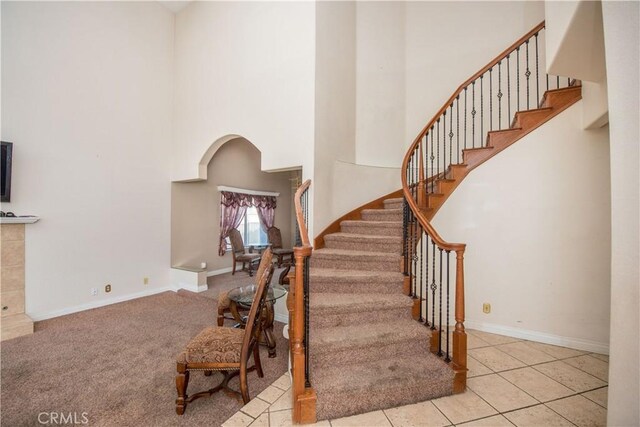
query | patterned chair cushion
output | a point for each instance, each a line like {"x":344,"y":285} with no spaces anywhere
{"x":247,"y":257}
{"x":214,"y":345}
{"x":282,"y":251}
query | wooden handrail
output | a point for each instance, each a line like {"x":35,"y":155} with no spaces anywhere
{"x":405,"y":163}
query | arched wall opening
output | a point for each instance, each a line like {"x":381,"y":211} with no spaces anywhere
{"x":231,"y":161}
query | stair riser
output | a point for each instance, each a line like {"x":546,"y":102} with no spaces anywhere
{"x":319,"y":319}
{"x":344,"y":264}
{"x":382,"y":215}
{"x":531,"y":119}
{"x":326,"y":358}
{"x":394,"y":205}
{"x":355,"y":287}
{"x":334,"y":404}
{"x":393,"y":248}
{"x":373,"y":230}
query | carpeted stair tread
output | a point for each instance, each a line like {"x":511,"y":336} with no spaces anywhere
{"x":328,"y":340}
{"x":360,"y":237}
{"x":369,"y":243}
{"x":355,"y":275}
{"x":338,"y":302}
{"x":381,"y":224}
{"x":356,"y":255}
{"x":393,"y":201}
{"x":381,"y":384}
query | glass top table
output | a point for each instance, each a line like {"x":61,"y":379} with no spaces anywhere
{"x":244,"y":295}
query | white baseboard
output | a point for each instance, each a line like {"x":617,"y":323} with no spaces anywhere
{"x":282,"y":318}
{"x":219,"y":271}
{"x":576,"y":343}
{"x":43,"y":315}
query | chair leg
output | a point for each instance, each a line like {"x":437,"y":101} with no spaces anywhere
{"x":256,"y":359}
{"x":244,"y":388}
{"x":220,"y":317}
{"x":182,"y":381}
{"x":279,"y":261}
{"x":233,"y":269}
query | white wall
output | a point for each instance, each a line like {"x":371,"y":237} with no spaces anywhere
{"x":621,"y":35}
{"x":245,"y":68}
{"x":380,"y":82}
{"x":536,"y":221}
{"x":335,"y":103}
{"x":86,"y":99}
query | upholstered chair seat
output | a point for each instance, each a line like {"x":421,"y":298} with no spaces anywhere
{"x":240,"y":254}
{"x":275,"y":240}
{"x":214,"y":345}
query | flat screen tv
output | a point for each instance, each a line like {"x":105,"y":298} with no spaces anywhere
{"x":5,"y":171}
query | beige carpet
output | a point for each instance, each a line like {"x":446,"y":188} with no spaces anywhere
{"x":116,"y":363}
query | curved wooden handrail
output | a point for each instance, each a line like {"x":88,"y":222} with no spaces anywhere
{"x":405,"y":163}
{"x":304,"y":233}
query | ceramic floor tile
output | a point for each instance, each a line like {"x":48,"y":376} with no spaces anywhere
{"x":580,"y":411}
{"x":495,"y":359}
{"x":283,"y":419}
{"x":493,"y":339}
{"x":536,"y":416}
{"x":569,"y":376}
{"x":600,"y":396}
{"x":463,"y":407}
{"x":261,"y":421}
{"x":475,"y":342}
{"x":536,"y":384}
{"x":423,"y":414}
{"x":284,"y":402}
{"x":255,"y":407}
{"x":284,"y":382}
{"x":370,"y":419}
{"x":591,"y":365}
{"x":271,"y":394}
{"x":476,"y":368}
{"x":525,"y":353}
{"x":238,"y":420}
{"x":495,"y":421}
{"x":554,"y":350}
{"x":602,"y":357}
{"x":500,"y":393}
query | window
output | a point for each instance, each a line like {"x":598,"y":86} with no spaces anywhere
{"x":251,"y":230}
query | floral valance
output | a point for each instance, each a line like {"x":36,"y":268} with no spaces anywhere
{"x":247,"y":200}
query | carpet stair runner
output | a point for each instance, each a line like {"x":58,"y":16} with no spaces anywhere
{"x":366,"y":351}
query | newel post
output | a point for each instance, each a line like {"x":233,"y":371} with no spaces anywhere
{"x":459,"y":334}
{"x":303,"y":400}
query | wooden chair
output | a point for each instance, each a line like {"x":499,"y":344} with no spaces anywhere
{"x":224,"y":303}
{"x":226,"y":350}
{"x":275,"y":239}
{"x":240,"y":254}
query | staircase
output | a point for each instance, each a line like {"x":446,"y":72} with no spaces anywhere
{"x":367,"y":351}
{"x":378,"y":319}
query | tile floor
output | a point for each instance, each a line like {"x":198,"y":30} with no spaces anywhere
{"x":511,"y":382}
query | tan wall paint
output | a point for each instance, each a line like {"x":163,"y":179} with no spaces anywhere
{"x":195,"y":206}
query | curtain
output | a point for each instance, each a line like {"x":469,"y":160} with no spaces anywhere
{"x":233,"y":207}
{"x":266,"y":208}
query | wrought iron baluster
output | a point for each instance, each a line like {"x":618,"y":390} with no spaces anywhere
{"x":490,"y":99}
{"x":465,"y":117}
{"x":440,"y":308}
{"x":426,"y":283}
{"x":307,"y":374}
{"x":568,"y":81}
{"x":457,"y":129}
{"x":557,"y":82}
{"x":415,"y":255}
{"x":438,"y":149}
{"x":432,"y":158}
{"x":537,"y":76}
{"x":405,"y":214}
{"x":508,"y":93}
{"x":517,"y":77}
{"x":450,"y":137}
{"x":433,"y":285}
{"x":447,"y":358}
{"x":528,"y":72}
{"x":473,"y":114}
{"x":420,"y":318}
{"x":499,"y":95}
{"x":444,"y":142}
{"x":481,"y":112}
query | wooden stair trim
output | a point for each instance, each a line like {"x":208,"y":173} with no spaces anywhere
{"x":355,"y":214}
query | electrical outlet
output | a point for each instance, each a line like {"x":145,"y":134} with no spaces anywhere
{"x":94,"y":291}
{"x":146,"y":280}
{"x":486,"y":308}
{"x":107,"y":288}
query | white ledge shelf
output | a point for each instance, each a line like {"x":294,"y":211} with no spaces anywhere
{"x":19,"y":219}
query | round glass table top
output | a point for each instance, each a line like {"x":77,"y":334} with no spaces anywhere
{"x":244,"y":295}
